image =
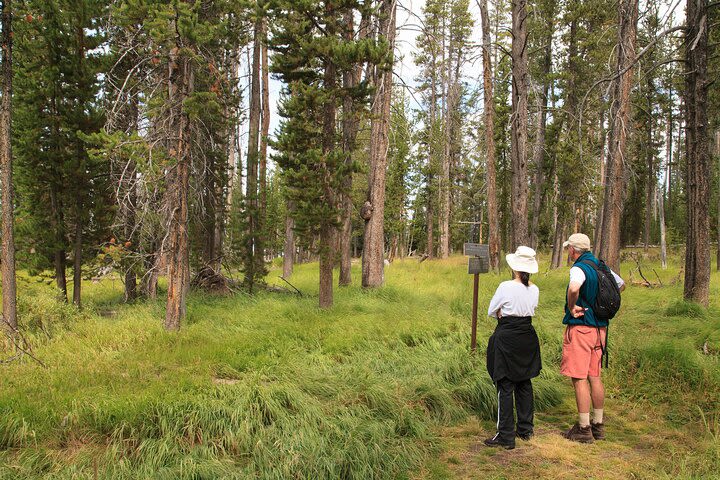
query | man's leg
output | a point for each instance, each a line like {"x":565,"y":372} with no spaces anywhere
{"x":582,"y":430}
{"x":582,"y":399}
{"x":598,"y":396}
{"x":524,"y":407}
{"x":598,"y":401}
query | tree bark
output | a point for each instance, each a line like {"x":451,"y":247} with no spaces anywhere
{"x":519,"y":125}
{"x":9,"y":285}
{"x":599,"y":214}
{"x":697,"y":142}
{"x":253,"y":248}
{"x":489,"y":121}
{"x":539,"y":147}
{"x":77,"y":257}
{"x":351,"y":77}
{"x":620,"y":119}
{"x":178,"y":254}
{"x":265,"y":120}
{"x":328,"y":232}
{"x":650,"y":152}
{"x":57,"y":223}
{"x":289,"y":251}
{"x":663,"y":234}
{"x":374,"y":245}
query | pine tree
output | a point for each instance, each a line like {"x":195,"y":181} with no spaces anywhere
{"x":311,"y":56}
{"x":57,"y":107}
{"x":9,"y":287}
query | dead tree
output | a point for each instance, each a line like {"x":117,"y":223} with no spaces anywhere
{"x":489,"y":121}
{"x":620,"y":121}
{"x":374,"y":244}
{"x":519,"y":125}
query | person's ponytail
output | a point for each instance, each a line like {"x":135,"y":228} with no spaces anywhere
{"x":525,"y":278}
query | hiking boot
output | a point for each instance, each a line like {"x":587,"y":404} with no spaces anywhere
{"x":496,"y":442}
{"x":598,"y":430}
{"x":580,"y":434}
{"x":524,"y":436}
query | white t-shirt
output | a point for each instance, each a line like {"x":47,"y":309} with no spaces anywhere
{"x":577,"y":275}
{"x":514,"y":299}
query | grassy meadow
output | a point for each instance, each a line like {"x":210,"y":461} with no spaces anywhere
{"x":379,"y":387}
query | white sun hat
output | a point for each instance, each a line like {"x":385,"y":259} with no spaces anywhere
{"x":523,"y":260}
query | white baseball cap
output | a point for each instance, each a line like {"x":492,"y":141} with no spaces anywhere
{"x":578,"y":240}
{"x":523,"y":260}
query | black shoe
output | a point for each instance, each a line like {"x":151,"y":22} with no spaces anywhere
{"x":496,"y":442}
{"x":524,"y":436}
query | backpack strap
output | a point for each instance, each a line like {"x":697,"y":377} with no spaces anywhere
{"x":604,"y":346}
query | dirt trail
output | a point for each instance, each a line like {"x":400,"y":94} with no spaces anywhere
{"x":636,"y":447}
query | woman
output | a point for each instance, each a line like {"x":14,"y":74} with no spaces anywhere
{"x":513,"y":355}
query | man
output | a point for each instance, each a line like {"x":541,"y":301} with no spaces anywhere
{"x":585,"y":340}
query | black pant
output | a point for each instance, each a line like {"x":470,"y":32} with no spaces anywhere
{"x":523,"y":405}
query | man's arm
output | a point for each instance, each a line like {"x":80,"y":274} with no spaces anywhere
{"x":573,"y":294}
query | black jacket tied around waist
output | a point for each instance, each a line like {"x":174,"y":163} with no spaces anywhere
{"x":514,"y":350}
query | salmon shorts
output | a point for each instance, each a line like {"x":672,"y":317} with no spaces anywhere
{"x":582,"y":351}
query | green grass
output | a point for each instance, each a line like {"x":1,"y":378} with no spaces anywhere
{"x":273,"y":387}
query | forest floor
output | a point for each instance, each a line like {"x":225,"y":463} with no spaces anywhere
{"x":379,"y":386}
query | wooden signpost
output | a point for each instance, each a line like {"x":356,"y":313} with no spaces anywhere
{"x":479,"y":262}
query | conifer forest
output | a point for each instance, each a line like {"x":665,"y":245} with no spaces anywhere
{"x":232,"y":231}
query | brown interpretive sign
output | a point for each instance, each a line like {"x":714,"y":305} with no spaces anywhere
{"x":479,"y":262}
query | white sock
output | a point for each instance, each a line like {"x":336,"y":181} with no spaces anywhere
{"x":598,"y":415}
{"x":585,"y":419}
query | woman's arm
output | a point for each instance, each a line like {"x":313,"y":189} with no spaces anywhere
{"x":496,"y":304}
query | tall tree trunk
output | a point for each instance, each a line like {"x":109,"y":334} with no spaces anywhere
{"x":650,"y":153}
{"x":444,"y":177}
{"x":265,"y":121}
{"x":489,"y":121}
{"x":663,"y":233}
{"x":77,"y":259}
{"x":289,"y":250}
{"x":374,"y":241}
{"x":253,"y":248}
{"x":599,"y":213}
{"x":697,"y":143}
{"x":234,"y":156}
{"x":620,"y":120}
{"x":717,"y":154}
{"x":519,"y":125}
{"x":128,"y":206}
{"x":430,"y":214}
{"x":351,"y":77}
{"x":129,"y":219}
{"x":328,"y":232}
{"x":9,"y":286}
{"x":178,"y":254}
{"x":558,"y":238}
{"x":57,"y":222}
{"x":539,"y":147}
